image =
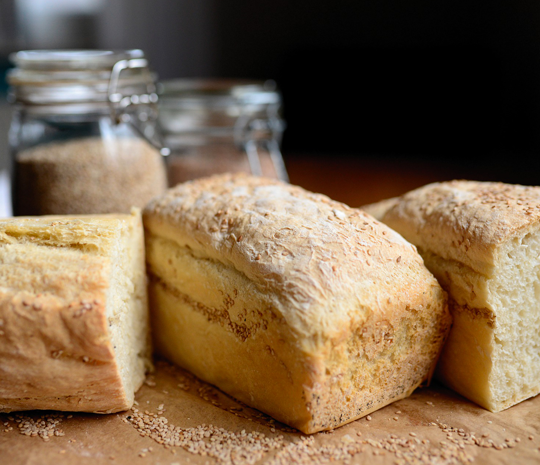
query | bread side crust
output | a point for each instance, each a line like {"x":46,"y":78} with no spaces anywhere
{"x":378,"y":209}
{"x":55,"y":348}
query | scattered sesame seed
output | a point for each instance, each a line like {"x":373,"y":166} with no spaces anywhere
{"x":44,"y":426}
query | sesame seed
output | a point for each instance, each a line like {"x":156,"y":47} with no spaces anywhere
{"x":44,"y":426}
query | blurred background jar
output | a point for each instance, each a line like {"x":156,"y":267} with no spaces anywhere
{"x":216,"y":126}
{"x":83,"y":134}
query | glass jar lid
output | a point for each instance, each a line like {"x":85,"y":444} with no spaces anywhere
{"x":216,"y":93}
{"x":64,"y":60}
{"x":79,"y":80}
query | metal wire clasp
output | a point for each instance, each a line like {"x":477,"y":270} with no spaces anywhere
{"x":118,"y":102}
{"x":253,"y":133}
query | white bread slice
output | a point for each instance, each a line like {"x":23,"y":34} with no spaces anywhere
{"x":300,"y":306}
{"x":482,"y":242}
{"x":74,"y":331}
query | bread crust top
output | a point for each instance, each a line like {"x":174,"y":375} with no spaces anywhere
{"x":71,"y":251}
{"x":325,"y":266}
{"x":465,"y":220}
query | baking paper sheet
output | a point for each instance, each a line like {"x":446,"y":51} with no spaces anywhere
{"x":434,"y":425}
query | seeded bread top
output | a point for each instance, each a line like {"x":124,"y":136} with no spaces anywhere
{"x":465,"y":221}
{"x":325,"y":265}
{"x":59,"y":247}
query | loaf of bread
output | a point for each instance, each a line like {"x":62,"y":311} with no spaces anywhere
{"x":297,"y":305}
{"x":482,"y":242}
{"x":74,"y":331}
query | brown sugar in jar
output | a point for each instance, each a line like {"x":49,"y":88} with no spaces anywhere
{"x":89,"y":175}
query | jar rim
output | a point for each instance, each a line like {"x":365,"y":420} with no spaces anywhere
{"x":61,"y":77}
{"x":217,"y":92}
{"x":71,"y":59}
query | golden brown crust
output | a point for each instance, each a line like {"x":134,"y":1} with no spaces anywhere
{"x":464,"y":220}
{"x":55,"y":346}
{"x":332,"y":277}
{"x":302,"y":247}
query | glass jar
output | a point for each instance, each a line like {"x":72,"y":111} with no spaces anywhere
{"x":83,"y":135}
{"x":216,"y":126}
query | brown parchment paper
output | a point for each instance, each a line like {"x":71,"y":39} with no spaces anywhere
{"x":434,"y":425}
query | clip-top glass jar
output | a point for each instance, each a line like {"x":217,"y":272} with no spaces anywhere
{"x":83,"y":136}
{"x":215,"y":126}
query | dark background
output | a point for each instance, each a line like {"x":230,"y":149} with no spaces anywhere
{"x":448,"y":85}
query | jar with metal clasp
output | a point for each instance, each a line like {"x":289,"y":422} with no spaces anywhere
{"x":216,"y":126}
{"x":83,"y":135}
